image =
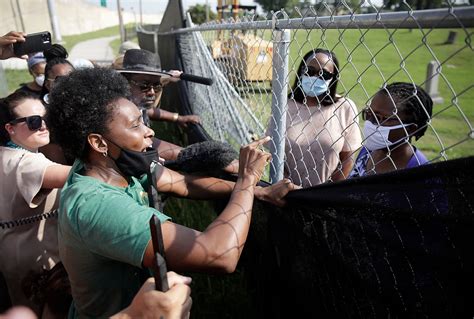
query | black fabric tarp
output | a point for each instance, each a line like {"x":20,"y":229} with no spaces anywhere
{"x":397,"y":245}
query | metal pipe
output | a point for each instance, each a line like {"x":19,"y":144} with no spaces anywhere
{"x":22,"y":22}
{"x":141,"y":12}
{"x":455,"y":17}
{"x":281,"y":44}
{"x":54,"y":21}
{"x":121,"y":27}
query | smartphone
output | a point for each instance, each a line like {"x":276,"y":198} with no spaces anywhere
{"x":34,"y":42}
{"x":159,"y":263}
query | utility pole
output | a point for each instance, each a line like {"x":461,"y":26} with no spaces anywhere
{"x":121,"y":27}
{"x":20,"y":15}
{"x":54,"y":22}
{"x":141,"y":12}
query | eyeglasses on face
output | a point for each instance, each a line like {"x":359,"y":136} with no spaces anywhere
{"x":369,"y":115}
{"x":34,"y":122}
{"x":59,"y":77}
{"x":324,"y":74}
{"x":145,"y":87}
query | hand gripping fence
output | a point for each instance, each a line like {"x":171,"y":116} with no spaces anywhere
{"x":394,"y":245}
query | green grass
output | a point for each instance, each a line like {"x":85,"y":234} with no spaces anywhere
{"x":368,"y":59}
{"x":16,"y":77}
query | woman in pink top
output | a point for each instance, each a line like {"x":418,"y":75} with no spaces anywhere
{"x":322,"y":127}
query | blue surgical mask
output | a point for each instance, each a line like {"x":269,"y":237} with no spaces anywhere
{"x":314,"y":86}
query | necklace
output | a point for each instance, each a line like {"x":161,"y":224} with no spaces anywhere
{"x":15,"y":146}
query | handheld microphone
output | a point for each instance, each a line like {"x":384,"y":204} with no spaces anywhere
{"x":203,"y":157}
{"x":196,"y":79}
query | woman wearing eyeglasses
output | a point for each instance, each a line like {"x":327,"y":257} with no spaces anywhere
{"x":57,"y":66}
{"x":397,"y":113}
{"x":322,"y":127}
{"x":28,"y":187}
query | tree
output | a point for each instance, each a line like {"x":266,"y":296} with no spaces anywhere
{"x":276,"y":5}
{"x":415,"y":4}
{"x":198,"y":13}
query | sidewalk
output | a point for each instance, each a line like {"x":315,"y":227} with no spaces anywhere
{"x":95,"y":50}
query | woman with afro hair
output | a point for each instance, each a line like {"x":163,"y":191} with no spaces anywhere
{"x":397,"y":113}
{"x":104,"y":238}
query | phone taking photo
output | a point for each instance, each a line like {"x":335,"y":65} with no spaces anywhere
{"x":34,"y":42}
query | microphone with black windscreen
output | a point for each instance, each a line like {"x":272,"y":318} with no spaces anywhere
{"x":204,"y":157}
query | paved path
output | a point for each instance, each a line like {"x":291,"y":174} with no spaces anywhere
{"x":95,"y":49}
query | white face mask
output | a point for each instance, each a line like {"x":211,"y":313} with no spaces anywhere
{"x":376,"y":136}
{"x":39,"y":79}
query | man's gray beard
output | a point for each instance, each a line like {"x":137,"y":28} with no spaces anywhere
{"x":144,"y":105}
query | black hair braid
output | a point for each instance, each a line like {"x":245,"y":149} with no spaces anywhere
{"x":54,"y":52}
{"x":412,"y":100}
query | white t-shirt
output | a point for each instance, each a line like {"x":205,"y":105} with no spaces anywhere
{"x":33,"y":246}
{"x":314,"y":138}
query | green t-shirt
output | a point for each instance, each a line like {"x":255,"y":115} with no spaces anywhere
{"x":103,"y":233}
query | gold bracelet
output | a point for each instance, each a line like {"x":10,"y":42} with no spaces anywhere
{"x":175,"y":117}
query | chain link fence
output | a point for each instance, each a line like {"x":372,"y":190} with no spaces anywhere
{"x":394,"y":245}
{"x":258,"y":85}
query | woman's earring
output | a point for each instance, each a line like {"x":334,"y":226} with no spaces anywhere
{"x":105,"y":154}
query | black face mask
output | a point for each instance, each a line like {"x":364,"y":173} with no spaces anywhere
{"x":133,"y":163}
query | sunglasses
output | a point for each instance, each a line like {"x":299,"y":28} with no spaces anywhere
{"x":369,"y":115}
{"x":34,"y":122}
{"x":145,"y":87}
{"x":325,"y":75}
{"x":59,"y":77}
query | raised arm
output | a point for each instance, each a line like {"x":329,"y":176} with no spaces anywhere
{"x":157,"y":114}
{"x":190,"y":186}
{"x":217,"y":248}
{"x":198,"y":187}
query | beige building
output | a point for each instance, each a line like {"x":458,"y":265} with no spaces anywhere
{"x":74,"y":16}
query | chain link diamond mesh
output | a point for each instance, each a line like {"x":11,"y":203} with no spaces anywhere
{"x":373,"y":50}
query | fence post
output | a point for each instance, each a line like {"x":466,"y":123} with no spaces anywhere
{"x":281,"y":42}
{"x":432,"y":80}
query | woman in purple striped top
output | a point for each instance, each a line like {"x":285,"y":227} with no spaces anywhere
{"x":397,"y":113}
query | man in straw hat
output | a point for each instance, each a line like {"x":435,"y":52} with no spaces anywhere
{"x":142,"y":69}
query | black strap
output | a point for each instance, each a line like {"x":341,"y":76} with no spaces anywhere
{"x":28,"y":220}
